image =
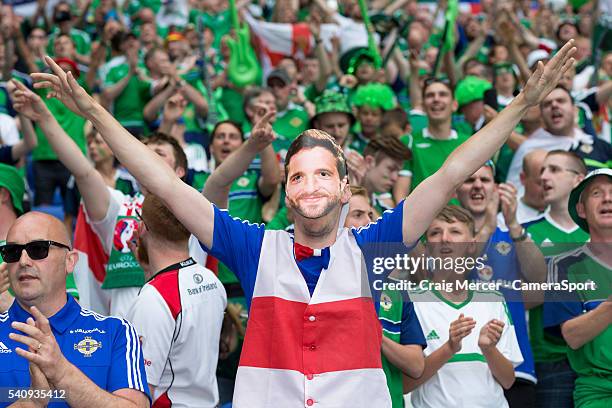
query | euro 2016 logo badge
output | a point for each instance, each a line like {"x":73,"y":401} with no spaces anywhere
{"x":88,"y":346}
{"x":124,"y":233}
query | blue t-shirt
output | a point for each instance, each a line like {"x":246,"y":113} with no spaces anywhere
{"x":238,"y":243}
{"x":106,"y":349}
{"x":502,"y":264}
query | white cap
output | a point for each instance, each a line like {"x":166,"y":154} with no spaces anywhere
{"x":535,"y":56}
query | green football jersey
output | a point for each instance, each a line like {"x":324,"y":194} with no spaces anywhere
{"x":391,"y":307}
{"x":128,"y":106}
{"x":291,"y":122}
{"x":428,"y":154}
{"x":593,"y":361}
{"x":552,"y":240}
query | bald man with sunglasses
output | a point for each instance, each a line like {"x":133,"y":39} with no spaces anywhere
{"x":48,"y":342}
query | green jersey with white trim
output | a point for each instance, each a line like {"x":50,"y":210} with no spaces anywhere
{"x":552,"y":240}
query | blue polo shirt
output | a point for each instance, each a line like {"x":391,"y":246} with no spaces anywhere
{"x":106,"y":349}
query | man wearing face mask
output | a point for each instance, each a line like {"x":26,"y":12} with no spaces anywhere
{"x":63,"y":24}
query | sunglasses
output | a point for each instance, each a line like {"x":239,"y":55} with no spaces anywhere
{"x":36,"y":250}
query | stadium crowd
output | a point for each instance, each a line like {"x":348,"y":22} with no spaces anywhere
{"x":190,"y":189}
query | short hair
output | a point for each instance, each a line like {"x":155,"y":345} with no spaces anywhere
{"x":60,"y":35}
{"x":161,"y":222}
{"x":226,"y":122}
{"x":312,"y":138}
{"x":151,"y":53}
{"x":180,"y":159}
{"x":567,"y":91}
{"x":360,"y":191}
{"x":433,"y":80}
{"x":389,"y":146}
{"x":395,"y":116}
{"x":252,"y":93}
{"x":576,"y":160}
{"x":452,"y":213}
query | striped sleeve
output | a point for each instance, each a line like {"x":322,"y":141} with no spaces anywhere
{"x":127,"y":367}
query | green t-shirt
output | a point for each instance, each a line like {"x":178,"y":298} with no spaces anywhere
{"x":82,"y":41}
{"x":593,"y":361}
{"x":280,"y":221}
{"x":245,"y":202}
{"x":73,"y":125}
{"x":231,"y":101}
{"x":128,"y":106}
{"x":428,"y":154}
{"x":358,"y":143}
{"x":391,"y":307}
{"x":291,"y":122}
{"x":193,"y":122}
{"x":418,"y":120}
{"x":545,"y":233}
{"x":220,"y":24}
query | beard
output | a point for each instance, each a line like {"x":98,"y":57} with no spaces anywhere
{"x":332,"y":203}
{"x":143,"y":255}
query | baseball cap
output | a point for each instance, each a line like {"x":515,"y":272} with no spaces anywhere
{"x":577,"y":192}
{"x":281,"y":74}
{"x":72,"y":64}
{"x":13,"y":182}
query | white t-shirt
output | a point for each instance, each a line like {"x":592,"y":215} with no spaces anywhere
{"x":465,"y":380}
{"x":178,"y":316}
{"x":9,"y":135}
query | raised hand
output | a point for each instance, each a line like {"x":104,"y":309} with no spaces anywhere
{"x":546,"y":77}
{"x":43,"y":349}
{"x":25,"y":101}
{"x":509,"y":203}
{"x":490,"y":334}
{"x":174,"y":107}
{"x":356,"y":168}
{"x":262,"y":134}
{"x":64,"y":87}
{"x":460,"y":329}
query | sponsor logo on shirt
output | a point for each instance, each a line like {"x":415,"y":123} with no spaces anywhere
{"x":433,"y":335}
{"x":87,"y":331}
{"x":197,"y":278}
{"x":88,"y":346}
{"x":202,"y":288}
{"x":423,"y":145}
{"x":4,"y":349}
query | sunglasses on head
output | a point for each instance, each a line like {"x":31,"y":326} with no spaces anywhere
{"x":36,"y":250}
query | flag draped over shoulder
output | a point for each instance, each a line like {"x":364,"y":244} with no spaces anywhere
{"x":90,"y":270}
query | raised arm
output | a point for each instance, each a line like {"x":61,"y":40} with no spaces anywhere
{"x":218,"y":185}
{"x":191,"y":208}
{"x":96,"y":196}
{"x":431,"y":195}
{"x":29,"y":141}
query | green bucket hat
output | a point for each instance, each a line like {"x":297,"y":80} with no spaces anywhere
{"x":577,"y":191}
{"x":470,"y":89}
{"x":332,"y":102}
{"x":13,"y":182}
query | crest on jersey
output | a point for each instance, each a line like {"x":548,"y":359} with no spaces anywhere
{"x":124,"y":233}
{"x":586,"y":148}
{"x":503,"y":247}
{"x":486,"y":273}
{"x":88,"y":346}
{"x":243,"y":181}
{"x":295,"y":122}
{"x":385,"y":302}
